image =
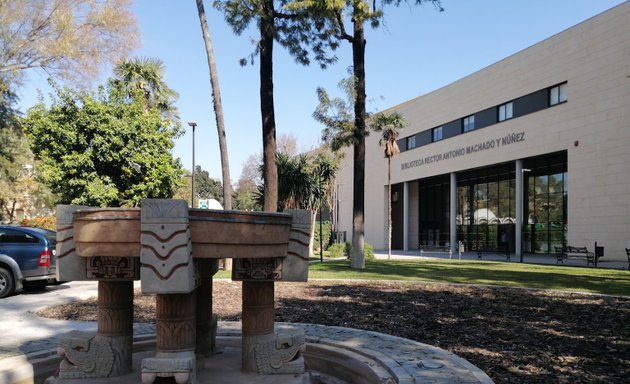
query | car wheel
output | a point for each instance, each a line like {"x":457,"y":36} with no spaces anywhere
{"x":7,"y":284}
{"x":37,"y":285}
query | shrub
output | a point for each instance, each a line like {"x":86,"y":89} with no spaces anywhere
{"x":48,"y":222}
{"x":337,"y":250}
{"x":325,"y":235}
{"x":368,"y":251}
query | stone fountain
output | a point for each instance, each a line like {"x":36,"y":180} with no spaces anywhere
{"x":174,"y":252}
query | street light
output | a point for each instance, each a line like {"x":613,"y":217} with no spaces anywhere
{"x":192,"y":192}
{"x":337,"y":231}
{"x":321,"y":247}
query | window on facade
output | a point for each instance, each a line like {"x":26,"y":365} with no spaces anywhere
{"x":505,"y":111}
{"x":411,"y":142}
{"x":469,"y":123}
{"x":558,"y":94}
{"x":436,"y":134}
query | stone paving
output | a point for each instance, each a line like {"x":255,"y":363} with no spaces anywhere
{"x":407,"y":360}
{"x":48,"y":346}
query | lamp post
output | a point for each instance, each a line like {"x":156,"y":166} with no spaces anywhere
{"x":192,"y":180}
{"x":337,"y":231}
{"x":321,"y":248}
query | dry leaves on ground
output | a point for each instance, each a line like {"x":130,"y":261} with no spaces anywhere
{"x":514,"y":335}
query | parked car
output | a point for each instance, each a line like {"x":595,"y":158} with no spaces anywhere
{"x":27,"y":258}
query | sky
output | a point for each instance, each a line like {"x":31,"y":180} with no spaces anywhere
{"x":415,"y":51}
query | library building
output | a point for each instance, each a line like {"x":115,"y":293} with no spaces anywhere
{"x":531,"y":153}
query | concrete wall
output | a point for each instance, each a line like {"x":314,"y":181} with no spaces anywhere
{"x":593,"y":126}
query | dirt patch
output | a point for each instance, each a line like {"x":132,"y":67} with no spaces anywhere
{"x":514,"y":335}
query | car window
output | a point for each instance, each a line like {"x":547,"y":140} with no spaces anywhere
{"x":50,"y":235}
{"x":12,"y":236}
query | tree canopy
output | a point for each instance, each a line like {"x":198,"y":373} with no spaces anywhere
{"x":99,"y":148}
{"x":146,"y":75}
{"x":67,"y":38}
{"x":206,"y":187}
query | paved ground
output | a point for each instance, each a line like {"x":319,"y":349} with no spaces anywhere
{"x":527,"y":258}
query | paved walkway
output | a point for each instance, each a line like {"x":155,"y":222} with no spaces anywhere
{"x":527,"y":258}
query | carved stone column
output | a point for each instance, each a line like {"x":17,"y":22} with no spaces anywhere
{"x":175,"y":322}
{"x":258,"y":318}
{"x":206,"y":321}
{"x":115,"y":321}
{"x":167,"y":269}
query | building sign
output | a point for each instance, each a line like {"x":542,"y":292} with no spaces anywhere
{"x":510,"y":139}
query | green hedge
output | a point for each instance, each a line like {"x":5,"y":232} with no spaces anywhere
{"x":326,"y":231}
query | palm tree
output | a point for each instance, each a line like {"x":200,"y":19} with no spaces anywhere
{"x":304,"y":182}
{"x":218,"y":107}
{"x":389,"y":126}
{"x":340,"y":130}
{"x":146,"y":77}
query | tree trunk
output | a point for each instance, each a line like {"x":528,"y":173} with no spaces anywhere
{"x":267,"y":108}
{"x":218,"y":108}
{"x":389,"y":207}
{"x":358,"y":205}
{"x":258,"y":296}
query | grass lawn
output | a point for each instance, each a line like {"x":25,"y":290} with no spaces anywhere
{"x":580,"y":279}
{"x":594,"y":280}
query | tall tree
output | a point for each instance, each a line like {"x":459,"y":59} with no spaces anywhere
{"x":359,"y":12}
{"x":99,"y":149}
{"x":338,"y":117}
{"x":18,"y":186}
{"x":389,"y":125}
{"x":218,"y":107}
{"x":208,"y":188}
{"x":67,"y":38}
{"x":302,"y":34}
{"x":292,"y":31}
{"x":246,"y":189}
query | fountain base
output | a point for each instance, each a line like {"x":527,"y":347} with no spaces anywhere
{"x":333,"y":355}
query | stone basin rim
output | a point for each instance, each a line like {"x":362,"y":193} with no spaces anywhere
{"x":132,"y":211}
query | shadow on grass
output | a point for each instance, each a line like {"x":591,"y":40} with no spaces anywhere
{"x":604,"y":281}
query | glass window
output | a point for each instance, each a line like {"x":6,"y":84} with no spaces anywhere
{"x":411,"y":142}
{"x":558,"y":94}
{"x":469,"y":123}
{"x":11,"y":236}
{"x":436,"y":134}
{"x":505,"y":111}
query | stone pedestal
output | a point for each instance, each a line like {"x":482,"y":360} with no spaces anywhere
{"x":206,"y":321}
{"x":115,"y":321}
{"x":258,"y":318}
{"x":109,"y":352}
{"x":175,"y":340}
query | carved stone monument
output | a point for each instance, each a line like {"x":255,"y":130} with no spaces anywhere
{"x":174,"y":251}
{"x":108,"y":353}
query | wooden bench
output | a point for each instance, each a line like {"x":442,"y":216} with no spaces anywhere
{"x":505,"y":251}
{"x":575,"y":253}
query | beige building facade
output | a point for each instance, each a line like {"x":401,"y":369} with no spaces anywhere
{"x":530,"y":153}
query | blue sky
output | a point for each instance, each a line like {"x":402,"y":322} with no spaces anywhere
{"x":415,"y":51}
